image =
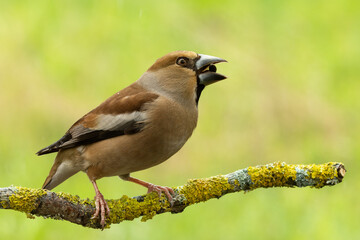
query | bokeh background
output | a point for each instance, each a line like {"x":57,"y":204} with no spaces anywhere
{"x":292,"y":95}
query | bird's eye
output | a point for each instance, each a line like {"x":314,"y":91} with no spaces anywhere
{"x":182,"y":61}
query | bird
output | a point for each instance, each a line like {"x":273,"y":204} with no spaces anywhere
{"x":138,"y":127}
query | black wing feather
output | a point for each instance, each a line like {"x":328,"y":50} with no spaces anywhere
{"x":68,"y":141}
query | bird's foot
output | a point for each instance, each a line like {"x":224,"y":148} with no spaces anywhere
{"x":151,"y":188}
{"x":102,"y":208}
{"x":159,"y":189}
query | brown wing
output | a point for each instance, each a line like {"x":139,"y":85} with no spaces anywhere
{"x":123,"y":113}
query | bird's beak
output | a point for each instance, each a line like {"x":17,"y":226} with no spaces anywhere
{"x":206,"y":69}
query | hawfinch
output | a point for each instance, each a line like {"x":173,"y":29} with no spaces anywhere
{"x":138,"y":127}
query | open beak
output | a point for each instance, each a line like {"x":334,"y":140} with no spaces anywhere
{"x":206,"y":69}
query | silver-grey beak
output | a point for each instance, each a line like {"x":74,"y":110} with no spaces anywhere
{"x":206,"y":69}
{"x":206,"y":60}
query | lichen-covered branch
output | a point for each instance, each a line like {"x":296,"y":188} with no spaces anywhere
{"x":63,"y":206}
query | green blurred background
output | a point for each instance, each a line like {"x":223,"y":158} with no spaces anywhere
{"x":292,"y":95}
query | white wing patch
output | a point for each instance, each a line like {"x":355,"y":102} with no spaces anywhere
{"x":108,"y":122}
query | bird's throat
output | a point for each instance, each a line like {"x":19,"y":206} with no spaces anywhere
{"x":199,"y":90}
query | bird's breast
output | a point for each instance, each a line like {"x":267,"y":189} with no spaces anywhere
{"x":171,"y":124}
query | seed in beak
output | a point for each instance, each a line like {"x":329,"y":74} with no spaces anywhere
{"x":209,"y":68}
{"x":212,"y":68}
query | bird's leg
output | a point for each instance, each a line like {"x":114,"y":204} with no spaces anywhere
{"x":101,"y":205}
{"x":151,"y":187}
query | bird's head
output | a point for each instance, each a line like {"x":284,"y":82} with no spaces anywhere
{"x":182,"y":74}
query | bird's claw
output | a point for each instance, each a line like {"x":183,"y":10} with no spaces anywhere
{"x":102,"y":208}
{"x":159,"y":189}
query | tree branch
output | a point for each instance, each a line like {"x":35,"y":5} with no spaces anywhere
{"x":63,"y":206}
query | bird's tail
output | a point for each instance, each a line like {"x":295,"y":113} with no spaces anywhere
{"x":59,"y":172}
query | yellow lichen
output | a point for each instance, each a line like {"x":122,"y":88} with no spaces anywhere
{"x":199,"y":190}
{"x":75,"y":199}
{"x":282,"y":175}
{"x":25,"y":199}
{"x":236,"y":182}
{"x":322,"y":173}
{"x":272,"y":175}
{"x":4,"y":204}
{"x":127,"y":208}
